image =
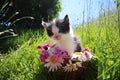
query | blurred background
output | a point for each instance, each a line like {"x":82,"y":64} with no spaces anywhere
{"x":86,"y":10}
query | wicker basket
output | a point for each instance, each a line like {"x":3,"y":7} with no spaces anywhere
{"x":74,"y":75}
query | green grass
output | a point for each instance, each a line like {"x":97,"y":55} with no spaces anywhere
{"x":101,"y":36}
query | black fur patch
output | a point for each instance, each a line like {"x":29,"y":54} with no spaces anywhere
{"x":78,"y":47}
{"x":49,"y":30}
{"x":63,"y":27}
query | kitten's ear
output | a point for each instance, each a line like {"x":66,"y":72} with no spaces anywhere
{"x":66,"y":19}
{"x":44,"y":24}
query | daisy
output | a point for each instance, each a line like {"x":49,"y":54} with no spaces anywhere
{"x":80,"y":56}
{"x":70,"y":67}
{"x":76,"y":55}
{"x":53,"y":63}
{"x":79,"y":64}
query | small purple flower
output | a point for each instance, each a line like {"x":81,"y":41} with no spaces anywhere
{"x":44,"y":56}
{"x":44,"y":46}
{"x":86,"y":52}
{"x":85,"y":49}
{"x":60,"y":52}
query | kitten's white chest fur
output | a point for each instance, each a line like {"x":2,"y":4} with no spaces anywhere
{"x":67,"y":43}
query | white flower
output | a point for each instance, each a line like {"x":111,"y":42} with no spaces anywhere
{"x":82,"y":57}
{"x":53,"y":63}
{"x":79,"y":64}
{"x":75,"y":56}
{"x":70,"y":67}
{"x":52,"y":67}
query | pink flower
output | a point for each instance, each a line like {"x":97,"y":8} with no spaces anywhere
{"x":85,"y":49}
{"x":88,"y":55}
{"x":44,"y":46}
{"x":44,"y":56}
{"x":86,"y":52}
{"x":58,"y":52}
{"x":58,"y":59}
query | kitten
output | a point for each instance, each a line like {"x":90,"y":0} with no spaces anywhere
{"x":60,"y":31}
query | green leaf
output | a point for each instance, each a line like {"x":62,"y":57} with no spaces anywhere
{"x":5,"y":5}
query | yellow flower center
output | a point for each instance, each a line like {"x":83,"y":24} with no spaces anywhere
{"x":78,"y":53}
{"x":53,"y":59}
{"x":71,"y":66}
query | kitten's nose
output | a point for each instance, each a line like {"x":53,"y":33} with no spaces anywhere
{"x":57,"y":37}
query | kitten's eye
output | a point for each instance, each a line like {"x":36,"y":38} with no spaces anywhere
{"x":61,"y":25}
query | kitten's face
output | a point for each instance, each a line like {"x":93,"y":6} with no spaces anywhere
{"x":58,"y":28}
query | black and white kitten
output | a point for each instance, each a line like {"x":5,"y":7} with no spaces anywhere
{"x":60,"y":31}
